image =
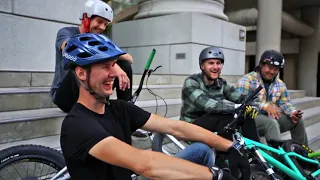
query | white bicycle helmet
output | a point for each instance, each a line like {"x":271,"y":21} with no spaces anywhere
{"x":98,"y":8}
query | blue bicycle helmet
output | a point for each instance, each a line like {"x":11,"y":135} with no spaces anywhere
{"x":86,"y":49}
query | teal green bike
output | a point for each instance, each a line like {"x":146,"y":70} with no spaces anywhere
{"x":285,"y":159}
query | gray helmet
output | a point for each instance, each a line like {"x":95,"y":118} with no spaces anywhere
{"x":211,"y":53}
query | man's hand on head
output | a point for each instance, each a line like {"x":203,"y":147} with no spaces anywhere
{"x":124,"y":81}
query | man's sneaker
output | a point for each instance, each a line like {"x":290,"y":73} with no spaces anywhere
{"x":139,"y":134}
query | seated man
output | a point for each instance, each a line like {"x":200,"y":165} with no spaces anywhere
{"x":95,"y":135}
{"x":95,"y":18}
{"x":277,"y":114}
{"x":208,"y":100}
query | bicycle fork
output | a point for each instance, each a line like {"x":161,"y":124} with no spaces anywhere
{"x":264,"y":164}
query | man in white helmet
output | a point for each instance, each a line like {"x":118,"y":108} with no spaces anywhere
{"x":95,"y":18}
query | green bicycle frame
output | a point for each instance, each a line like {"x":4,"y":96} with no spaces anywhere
{"x":291,"y":171}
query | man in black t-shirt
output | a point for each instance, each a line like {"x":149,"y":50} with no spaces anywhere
{"x":96,"y":133}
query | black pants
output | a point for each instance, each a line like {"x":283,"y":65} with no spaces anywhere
{"x":68,"y":92}
{"x":126,"y":94}
{"x":216,"y":123}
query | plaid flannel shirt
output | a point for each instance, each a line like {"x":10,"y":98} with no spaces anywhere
{"x":277,"y":94}
{"x":199,"y":98}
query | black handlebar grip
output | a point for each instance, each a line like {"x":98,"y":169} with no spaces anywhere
{"x":253,"y":94}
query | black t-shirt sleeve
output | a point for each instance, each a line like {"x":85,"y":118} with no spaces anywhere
{"x":138,"y":116}
{"x":79,"y":135}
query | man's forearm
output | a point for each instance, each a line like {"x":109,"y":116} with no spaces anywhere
{"x":196,"y":133}
{"x":126,"y":57}
{"x":162,"y":166}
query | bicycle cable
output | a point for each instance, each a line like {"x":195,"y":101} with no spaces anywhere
{"x":155,"y":95}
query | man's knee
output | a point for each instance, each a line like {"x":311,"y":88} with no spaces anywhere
{"x":125,"y":66}
{"x":266,"y":122}
{"x":201,"y":147}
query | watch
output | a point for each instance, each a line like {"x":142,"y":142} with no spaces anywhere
{"x":217,"y":173}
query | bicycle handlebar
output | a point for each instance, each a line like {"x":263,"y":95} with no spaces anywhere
{"x":146,"y":69}
{"x":247,"y":100}
{"x":315,"y":154}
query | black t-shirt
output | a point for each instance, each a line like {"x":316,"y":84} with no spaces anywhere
{"x":83,"y":128}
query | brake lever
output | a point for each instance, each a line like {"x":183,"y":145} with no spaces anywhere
{"x":151,"y":70}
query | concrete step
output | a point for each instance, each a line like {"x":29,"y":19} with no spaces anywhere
{"x":306,"y":102}
{"x":294,"y":94}
{"x":54,"y":141}
{"x":313,"y":136}
{"x":25,"y":98}
{"x":28,"y":124}
{"x":39,"y":79}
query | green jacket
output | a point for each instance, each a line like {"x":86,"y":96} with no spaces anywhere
{"x":199,"y":98}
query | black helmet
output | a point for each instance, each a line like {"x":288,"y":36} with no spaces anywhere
{"x":211,"y":53}
{"x":272,"y":57}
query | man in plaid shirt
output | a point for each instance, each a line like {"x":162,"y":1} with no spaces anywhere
{"x":210,"y":102}
{"x":277,"y":113}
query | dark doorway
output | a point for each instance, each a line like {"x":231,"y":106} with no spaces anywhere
{"x":252,"y":63}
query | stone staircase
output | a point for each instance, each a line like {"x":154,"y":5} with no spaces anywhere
{"x":27,"y":115}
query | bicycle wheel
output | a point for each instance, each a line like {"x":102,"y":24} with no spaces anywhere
{"x":257,"y":173}
{"x":166,"y":144}
{"x":30,"y":162}
{"x":304,"y":167}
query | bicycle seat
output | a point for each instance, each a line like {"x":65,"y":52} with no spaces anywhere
{"x":275,"y":143}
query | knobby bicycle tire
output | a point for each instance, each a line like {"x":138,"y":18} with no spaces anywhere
{"x":303,"y":167}
{"x":31,"y":153}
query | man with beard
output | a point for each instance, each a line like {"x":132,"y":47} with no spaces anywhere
{"x":210,"y":102}
{"x":95,"y":17}
{"x":95,"y":135}
{"x":277,"y":113}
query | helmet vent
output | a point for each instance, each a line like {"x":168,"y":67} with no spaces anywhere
{"x":210,"y":52}
{"x":86,"y":38}
{"x":103,"y":48}
{"x":84,"y":55}
{"x":71,"y":48}
{"x":111,"y":44}
{"x":94,"y":43}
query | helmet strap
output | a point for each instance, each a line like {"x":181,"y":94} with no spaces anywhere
{"x":99,"y":98}
{"x":86,"y":22}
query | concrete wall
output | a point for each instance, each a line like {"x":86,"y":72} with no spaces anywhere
{"x":288,"y":46}
{"x":183,"y":33}
{"x":28,"y":31}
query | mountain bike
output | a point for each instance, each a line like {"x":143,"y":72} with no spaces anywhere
{"x":285,"y":159}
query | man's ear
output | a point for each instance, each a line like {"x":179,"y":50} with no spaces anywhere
{"x":201,"y":66}
{"x":81,"y":73}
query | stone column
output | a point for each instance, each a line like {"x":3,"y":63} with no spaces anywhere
{"x":153,"y":8}
{"x":268,"y":26}
{"x":308,"y":53}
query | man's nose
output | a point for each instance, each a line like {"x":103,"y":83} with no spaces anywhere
{"x":113,"y":72}
{"x":102,"y":26}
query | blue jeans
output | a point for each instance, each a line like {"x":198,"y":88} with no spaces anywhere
{"x":198,"y":153}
